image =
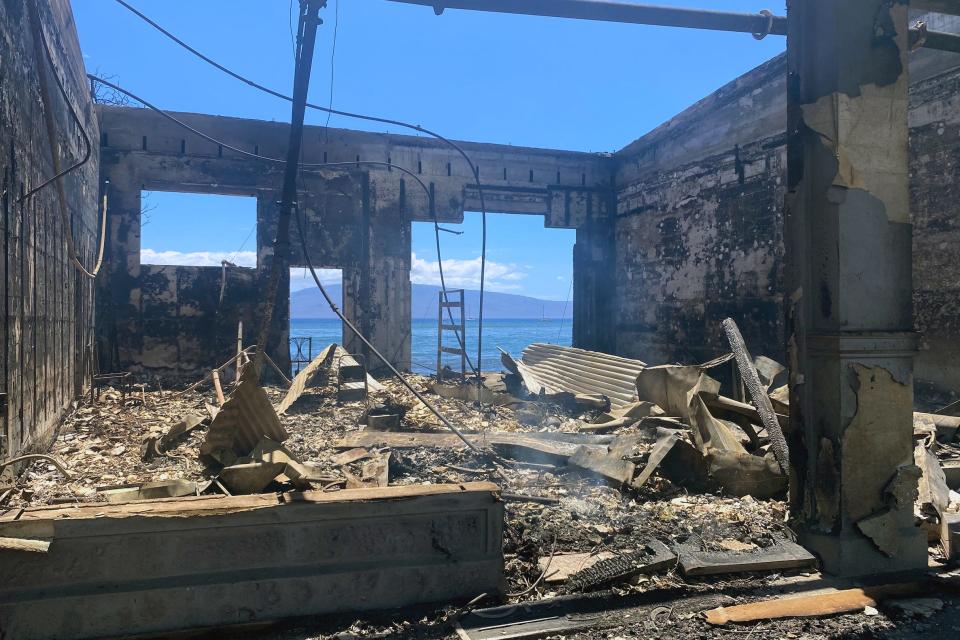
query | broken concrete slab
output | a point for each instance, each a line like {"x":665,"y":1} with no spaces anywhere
{"x":782,"y":555}
{"x":247,"y":559}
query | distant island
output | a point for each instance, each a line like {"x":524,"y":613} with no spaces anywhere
{"x":309,"y":304}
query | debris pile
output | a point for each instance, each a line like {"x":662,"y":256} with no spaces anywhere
{"x":669,"y":486}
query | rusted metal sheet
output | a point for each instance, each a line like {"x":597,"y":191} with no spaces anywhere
{"x":159,"y":566}
{"x":242,"y":421}
{"x":553,"y":369}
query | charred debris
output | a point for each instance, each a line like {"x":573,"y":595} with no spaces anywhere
{"x":617,"y":487}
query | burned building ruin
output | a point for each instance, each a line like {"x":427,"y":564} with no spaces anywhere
{"x":812,"y":200}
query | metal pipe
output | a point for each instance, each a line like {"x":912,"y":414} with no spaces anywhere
{"x":951,"y":7}
{"x":759,"y":24}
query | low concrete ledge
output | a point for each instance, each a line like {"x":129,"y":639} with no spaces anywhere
{"x":181,"y":563}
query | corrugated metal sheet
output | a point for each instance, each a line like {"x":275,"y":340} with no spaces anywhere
{"x":554,"y":369}
{"x":243,"y":420}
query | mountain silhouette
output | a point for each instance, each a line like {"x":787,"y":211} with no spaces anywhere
{"x":309,"y":303}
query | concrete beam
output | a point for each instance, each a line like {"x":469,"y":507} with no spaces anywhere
{"x":519,"y":179}
{"x":158,"y":566}
{"x":849,"y":315}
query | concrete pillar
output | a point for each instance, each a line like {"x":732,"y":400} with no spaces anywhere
{"x":279,"y":341}
{"x":376,"y":289}
{"x":849,"y":315}
{"x":594,"y":287}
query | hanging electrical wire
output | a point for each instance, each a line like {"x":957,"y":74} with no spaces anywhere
{"x":306,"y":254}
{"x":475,"y":173}
{"x":41,"y":46}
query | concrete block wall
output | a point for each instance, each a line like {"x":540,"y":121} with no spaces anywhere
{"x":47,"y":318}
{"x":699,"y":229}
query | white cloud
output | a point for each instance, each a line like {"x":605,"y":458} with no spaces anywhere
{"x":199,"y":258}
{"x":300,"y":278}
{"x":466,"y":273}
{"x":458,"y":273}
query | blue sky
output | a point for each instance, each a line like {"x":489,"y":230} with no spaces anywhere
{"x":520,"y":80}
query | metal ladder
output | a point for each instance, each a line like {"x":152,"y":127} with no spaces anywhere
{"x":446,"y":303}
{"x":351,"y":378}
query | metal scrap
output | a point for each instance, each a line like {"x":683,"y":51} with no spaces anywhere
{"x":550,"y":369}
{"x":245,"y":418}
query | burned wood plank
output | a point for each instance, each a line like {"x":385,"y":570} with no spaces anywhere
{"x":814,"y":605}
{"x":305,"y":376}
{"x":653,"y":556}
{"x":783,"y":555}
{"x":758,"y":392}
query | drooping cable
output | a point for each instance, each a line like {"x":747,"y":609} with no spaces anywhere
{"x":40,"y":43}
{"x":306,"y":255}
{"x":473,"y":169}
{"x":333,"y":57}
{"x":360,"y":336}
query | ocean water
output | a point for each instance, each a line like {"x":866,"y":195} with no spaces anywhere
{"x":510,"y":335}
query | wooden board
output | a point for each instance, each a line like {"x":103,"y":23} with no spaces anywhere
{"x":784,"y":555}
{"x":815,"y":605}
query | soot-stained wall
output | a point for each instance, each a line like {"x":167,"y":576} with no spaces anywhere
{"x":699,"y":229}
{"x":47,"y":319}
{"x":163,"y":322}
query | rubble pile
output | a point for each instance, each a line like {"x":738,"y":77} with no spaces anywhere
{"x":671,"y":487}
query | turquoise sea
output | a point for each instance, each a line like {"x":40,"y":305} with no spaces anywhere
{"x":511,"y":335}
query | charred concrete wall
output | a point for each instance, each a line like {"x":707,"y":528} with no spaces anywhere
{"x":357,"y":218}
{"x":699,"y":225}
{"x":935,"y":206}
{"x":699,"y":230}
{"x":48,"y":306}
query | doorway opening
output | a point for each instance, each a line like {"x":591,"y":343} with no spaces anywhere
{"x":528,"y":295}
{"x":313,"y":325}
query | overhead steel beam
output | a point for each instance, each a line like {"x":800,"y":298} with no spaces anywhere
{"x":951,"y":7}
{"x":760,"y":24}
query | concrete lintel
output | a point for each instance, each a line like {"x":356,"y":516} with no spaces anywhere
{"x":162,"y":565}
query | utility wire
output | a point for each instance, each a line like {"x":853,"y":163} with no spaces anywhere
{"x":40,"y":43}
{"x":333,"y":54}
{"x":360,"y":336}
{"x":306,"y":255}
{"x":415,"y":127}
{"x":563,"y":315}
